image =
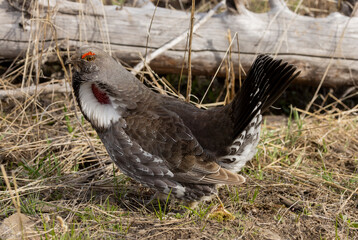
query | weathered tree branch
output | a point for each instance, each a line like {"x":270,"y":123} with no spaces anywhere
{"x":176,"y":40}
{"x":61,"y":87}
{"x":307,"y":42}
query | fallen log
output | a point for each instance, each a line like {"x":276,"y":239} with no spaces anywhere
{"x":320,"y":47}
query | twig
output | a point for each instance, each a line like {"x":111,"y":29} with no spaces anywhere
{"x":230,"y":90}
{"x":13,"y":197}
{"x":239,"y":60}
{"x":188,"y":84}
{"x":61,"y":87}
{"x":176,"y":40}
{"x":346,"y":201}
{"x":148,"y":34}
{"x":334,"y":55}
{"x":217,"y":70}
{"x":291,"y":205}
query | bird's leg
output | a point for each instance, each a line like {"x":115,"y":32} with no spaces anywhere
{"x":146,"y":203}
{"x":155,"y":196}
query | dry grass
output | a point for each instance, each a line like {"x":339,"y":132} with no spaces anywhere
{"x":302,"y":184}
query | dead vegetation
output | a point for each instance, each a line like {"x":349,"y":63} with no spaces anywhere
{"x":302,"y":184}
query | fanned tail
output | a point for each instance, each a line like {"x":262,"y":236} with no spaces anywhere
{"x":265,"y":82}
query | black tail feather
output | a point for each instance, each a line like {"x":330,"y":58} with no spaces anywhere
{"x":265,"y":82}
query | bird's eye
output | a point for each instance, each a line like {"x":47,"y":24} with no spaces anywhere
{"x":89,"y":56}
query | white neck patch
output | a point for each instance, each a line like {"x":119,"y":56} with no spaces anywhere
{"x":101,"y":115}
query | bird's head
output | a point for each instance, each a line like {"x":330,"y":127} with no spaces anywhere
{"x":99,"y":82}
{"x":92,"y":64}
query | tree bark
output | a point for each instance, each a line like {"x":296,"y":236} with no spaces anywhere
{"x":322,"y":48}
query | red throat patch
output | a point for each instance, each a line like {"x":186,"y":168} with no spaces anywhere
{"x":101,"y":96}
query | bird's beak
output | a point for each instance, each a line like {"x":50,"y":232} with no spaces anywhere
{"x":68,"y":61}
{"x":73,"y":60}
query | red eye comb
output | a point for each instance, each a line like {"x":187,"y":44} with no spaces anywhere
{"x":87,"y":54}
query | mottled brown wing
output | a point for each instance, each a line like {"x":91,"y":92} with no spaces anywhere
{"x":163,"y":134}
